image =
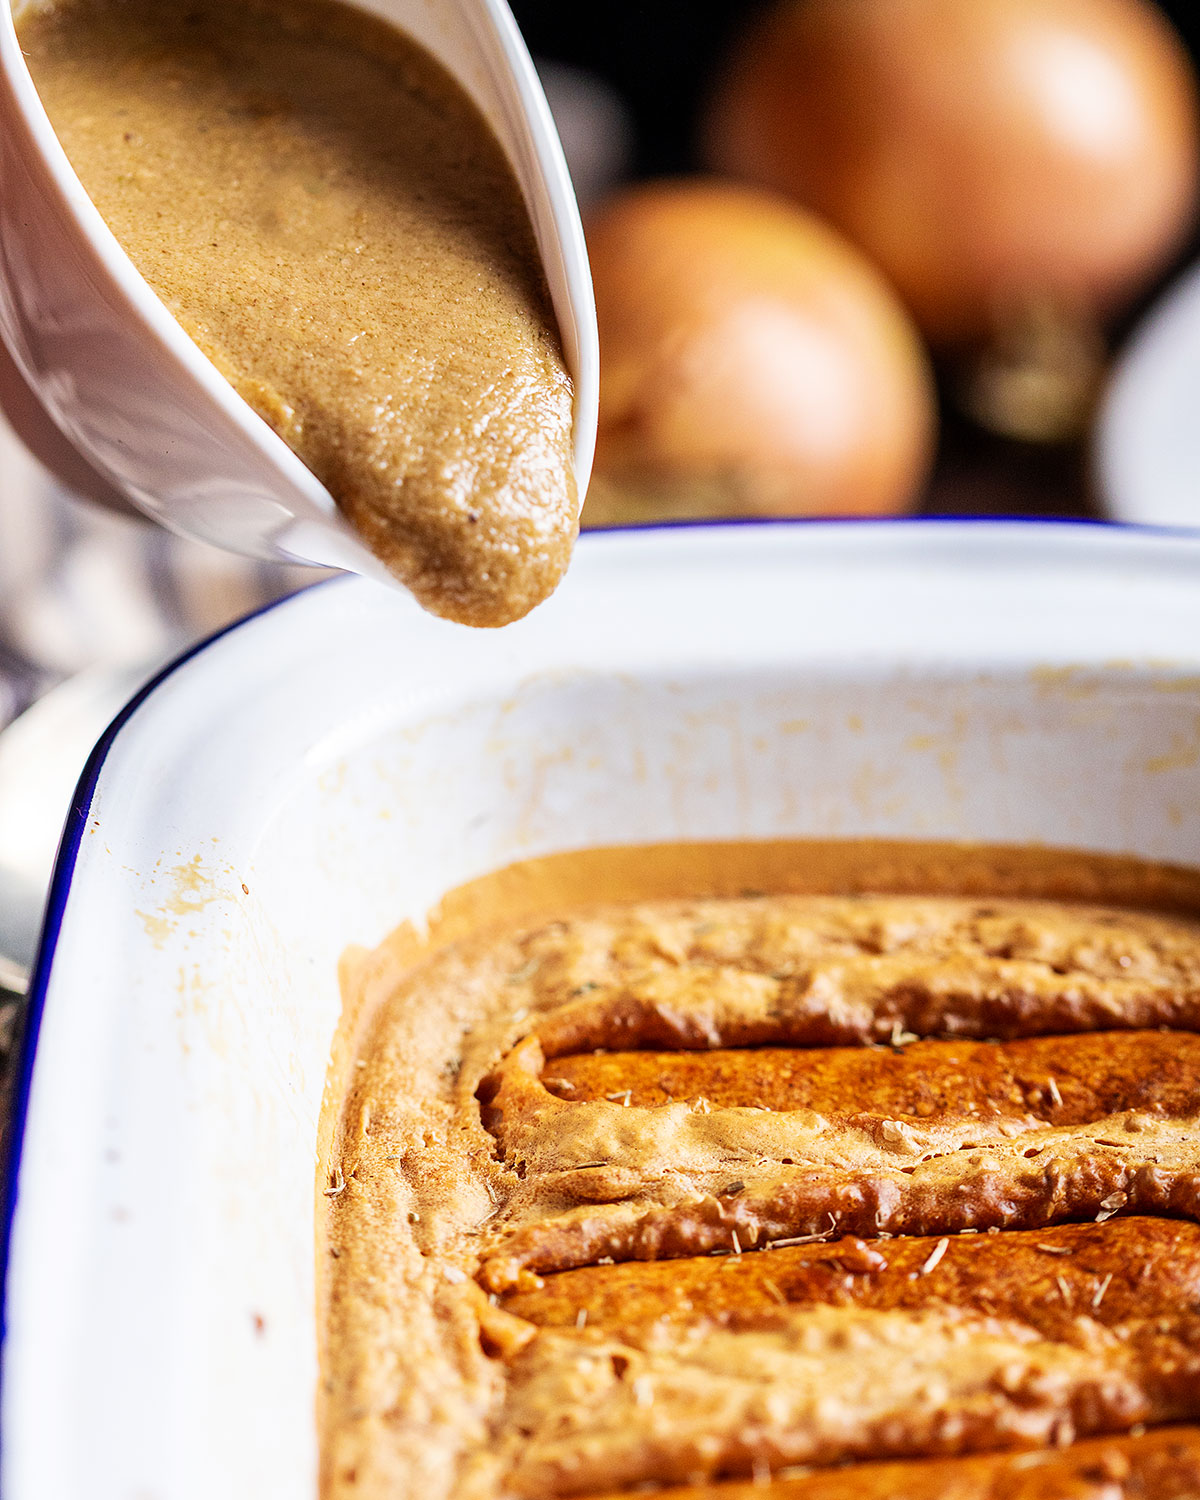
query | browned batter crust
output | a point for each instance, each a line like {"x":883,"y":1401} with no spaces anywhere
{"x":813,"y":1328}
{"x":1140,"y":1275}
{"x":1161,"y":1465}
{"x":682,"y":1191}
{"x":1094,"y":1074}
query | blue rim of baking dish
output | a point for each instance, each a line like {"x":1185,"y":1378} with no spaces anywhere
{"x":81,"y":802}
{"x":65,"y":860}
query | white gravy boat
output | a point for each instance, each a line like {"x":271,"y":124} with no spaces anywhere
{"x":111,"y":378}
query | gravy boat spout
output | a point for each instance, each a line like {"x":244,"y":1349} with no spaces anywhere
{"x":121,"y":385}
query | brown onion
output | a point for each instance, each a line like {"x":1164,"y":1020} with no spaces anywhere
{"x":752,"y":362}
{"x":990,"y":155}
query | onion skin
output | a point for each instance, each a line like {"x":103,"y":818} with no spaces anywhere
{"x":987,"y":154}
{"x":751,"y":355}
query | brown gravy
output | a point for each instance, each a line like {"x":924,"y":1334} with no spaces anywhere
{"x":331,"y":220}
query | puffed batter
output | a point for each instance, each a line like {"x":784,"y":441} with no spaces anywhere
{"x":723,"y":1193}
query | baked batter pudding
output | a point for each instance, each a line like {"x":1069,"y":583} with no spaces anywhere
{"x":838,"y":1196}
{"x":332,"y":221}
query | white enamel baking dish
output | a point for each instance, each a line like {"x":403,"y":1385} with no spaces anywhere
{"x":334,"y":765}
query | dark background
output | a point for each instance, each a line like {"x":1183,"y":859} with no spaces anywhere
{"x":662,"y":56}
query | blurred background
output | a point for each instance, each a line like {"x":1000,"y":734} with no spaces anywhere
{"x":661,"y":67}
{"x":662,"y":59}
{"x":851,"y":257}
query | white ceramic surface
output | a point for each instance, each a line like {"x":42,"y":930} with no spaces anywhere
{"x":126,"y":387}
{"x":1147,"y":444}
{"x":335,"y":765}
{"x":41,"y":757}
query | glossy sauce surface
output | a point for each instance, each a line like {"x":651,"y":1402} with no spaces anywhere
{"x":331,"y":220}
